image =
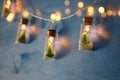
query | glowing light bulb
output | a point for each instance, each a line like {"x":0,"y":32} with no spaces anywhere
{"x":58,"y":15}
{"x":87,"y":28}
{"x":53,"y":17}
{"x":10,"y":17}
{"x":25,"y":14}
{"x":8,"y":2}
{"x":51,"y":40}
{"x":109,"y":13}
{"x":90,"y":11}
{"x":80,"y":4}
{"x":101,"y":10}
{"x":23,"y":26}
{"x":118,"y":12}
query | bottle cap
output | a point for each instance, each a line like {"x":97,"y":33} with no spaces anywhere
{"x":88,"y":20}
{"x":24,"y":21}
{"x":52,"y":32}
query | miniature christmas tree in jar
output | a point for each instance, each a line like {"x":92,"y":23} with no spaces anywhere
{"x":8,"y":10}
{"x":21,"y":32}
{"x":49,"y":52}
{"x":85,"y":41}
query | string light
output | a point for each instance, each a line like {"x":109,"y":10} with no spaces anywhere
{"x":101,"y":10}
{"x":80,"y":4}
{"x":67,"y":11}
{"x":79,"y":13}
{"x":10,"y":17}
{"x":90,"y":11}
{"x":53,"y":17}
{"x":109,"y":12}
{"x":118,"y":12}
{"x":103,"y":15}
{"x":63,"y":18}
{"x":25,"y":14}
{"x":67,"y":2}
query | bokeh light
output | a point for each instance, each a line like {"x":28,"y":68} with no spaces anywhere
{"x":80,"y":4}
{"x":10,"y":17}
{"x":53,"y":17}
{"x":118,"y":12}
{"x":19,"y":6}
{"x":9,"y":2}
{"x":101,"y":10}
{"x":90,"y":11}
{"x":67,"y":2}
{"x":58,"y":15}
{"x":25,"y":14}
{"x":103,"y":15}
{"x":63,"y":43}
{"x":98,"y":32}
{"x":23,"y":26}
{"x":114,"y":13}
{"x":67,"y":11}
{"x":109,"y":12}
{"x":79,"y":13}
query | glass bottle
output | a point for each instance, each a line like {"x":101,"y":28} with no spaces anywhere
{"x":49,"y":48}
{"x":6,"y":8}
{"x":21,"y":32}
{"x":85,"y":41}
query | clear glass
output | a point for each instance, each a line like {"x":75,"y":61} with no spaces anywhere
{"x":49,"y":48}
{"x":22,"y":33}
{"x":6,"y":8}
{"x":85,"y":41}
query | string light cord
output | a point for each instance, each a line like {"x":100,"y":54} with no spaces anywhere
{"x":64,"y":18}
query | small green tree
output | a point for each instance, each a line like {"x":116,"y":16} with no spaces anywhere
{"x":50,"y":52}
{"x":22,"y":37}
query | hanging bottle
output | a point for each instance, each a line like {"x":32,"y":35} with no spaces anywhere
{"x":85,"y":41}
{"x":49,"y":48}
{"x":8,"y":10}
{"x":21,"y":32}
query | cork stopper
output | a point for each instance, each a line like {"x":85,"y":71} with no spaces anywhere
{"x":88,"y":20}
{"x":52,"y":32}
{"x":24,"y":21}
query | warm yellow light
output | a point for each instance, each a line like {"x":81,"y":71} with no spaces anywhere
{"x":79,"y":13}
{"x":87,"y":28}
{"x":58,"y":15}
{"x":90,"y":11}
{"x":67,"y":11}
{"x":23,"y":26}
{"x":67,"y":2}
{"x":84,"y":33}
{"x":19,"y":6}
{"x":10,"y":17}
{"x":53,"y":17}
{"x":50,"y":40}
{"x":118,"y":12}
{"x":103,"y":15}
{"x":101,"y":10}
{"x":80,"y":4}
{"x":114,"y":13}
{"x":8,"y":2}
{"x":26,"y":14}
{"x":109,"y":13}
